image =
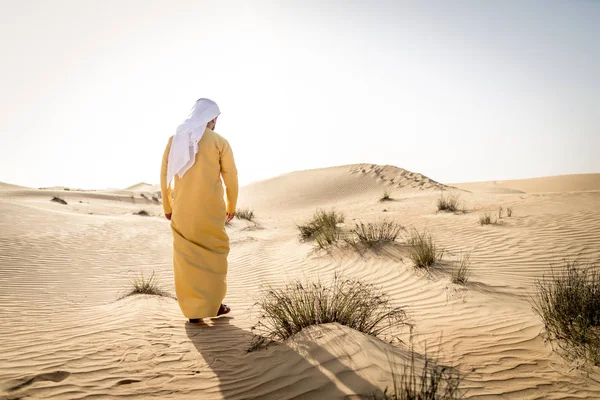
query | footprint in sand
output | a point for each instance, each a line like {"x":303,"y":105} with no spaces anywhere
{"x":57,"y":376}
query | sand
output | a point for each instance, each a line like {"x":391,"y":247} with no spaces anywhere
{"x":65,"y":334}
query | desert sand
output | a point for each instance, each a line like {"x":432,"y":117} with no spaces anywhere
{"x":65,"y":334}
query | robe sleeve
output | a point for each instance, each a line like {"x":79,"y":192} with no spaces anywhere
{"x":164,"y":185}
{"x":230,"y":176}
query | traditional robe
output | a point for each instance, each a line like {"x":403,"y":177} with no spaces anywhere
{"x":200,"y":242}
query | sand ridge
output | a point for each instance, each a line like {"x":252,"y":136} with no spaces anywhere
{"x":65,"y":335}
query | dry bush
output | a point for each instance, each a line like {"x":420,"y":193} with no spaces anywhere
{"x":59,"y":200}
{"x":448,"y":203}
{"x":371,"y":234}
{"x":150,"y":286}
{"x":387,"y":196}
{"x":355,"y":304}
{"x":423,"y":251}
{"x":461,"y":270}
{"x":486,"y":219}
{"x":322,"y":228}
{"x":245,"y":213}
{"x":509,"y":212}
{"x":432,"y":381}
{"x":568,"y":303}
{"x":142,"y":213}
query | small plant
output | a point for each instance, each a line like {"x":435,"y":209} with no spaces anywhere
{"x":568,"y":303}
{"x":462,"y":269}
{"x":432,"y":381}
{"x":485,"y":219}
{"x":500,"y":210}
{"x":322,"y":222}
{"x":59,"y":200}
{"x":245,"y":213}
{"x":372,"y":234}
{"x":66,"y":189}
{"x":423,"y":251}
{"x":141,"y":285}
{"x":387,"y":196}
{"x":142,"y":213}
{"x":357,"y":305}
{"x":509,"y":212}
{"x":448,"y":203}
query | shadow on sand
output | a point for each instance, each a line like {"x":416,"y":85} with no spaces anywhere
{"x":278,"y":372}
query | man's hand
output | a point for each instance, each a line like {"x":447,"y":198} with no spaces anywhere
{"x":168,"y":216}
{"x":230,"y":217}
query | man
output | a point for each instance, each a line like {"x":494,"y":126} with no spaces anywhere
{"x":196,"y":158}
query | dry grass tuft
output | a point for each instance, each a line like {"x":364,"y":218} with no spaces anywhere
{"x":568,"y":303}
{"x":461,"y":270}
{"x":430,"y":382}
{"x":372,"y":234}
{"x":448,"y":203}
{"x":59,"y":200}
{"x":150,"y":286}
{"x":509,"y":212}
{"x":322,"y":228}
{"x":387,"y":196}
{"x":486,"y":219}
{"x":423,"y":251}
{"x":245,"y":213}
{"x":357,"y":305}
{"x":142,"y":213}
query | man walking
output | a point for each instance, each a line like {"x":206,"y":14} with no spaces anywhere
{"x":196,"y":158}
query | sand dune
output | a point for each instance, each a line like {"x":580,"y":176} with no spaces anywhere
{"x":562,"y":183}
{"x":66,"y":336}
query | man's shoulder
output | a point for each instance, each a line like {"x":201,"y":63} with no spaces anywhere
{"x":215,"y":136}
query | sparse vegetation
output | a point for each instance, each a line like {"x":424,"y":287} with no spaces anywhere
{"x":387,"y":196}
{"x":568,"y":303}
{"x":59,"y":200}
{"x":142,"y":213}
{"x":448,"y":203}
{"x":461,"y":270}
{"x":423,"y":251}
{"x":245,"y":213}
{"x":361,"y":306}
{"x":432,"y":381}
{"x":485,"y":219}
{"x":150,"y":286}
{"x":509,"y":212}
{"x":323,"y":228}
{"x":500,"y":211}
{"x":372,"y":234}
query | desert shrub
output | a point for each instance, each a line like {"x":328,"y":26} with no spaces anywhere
{"x":245,"y":213}
{"x":485,"y":219}
{"x":387,"y":196}
{"x":509,"y":212}
{"x":286,"y":311}
{"x":372,"y":234}
{"x":448,"y":203}
{"x":500,"y":211}
{"x":432,"y":381}
{"x":461,"y":270}
{"x":568,"y":303}
{"x":150,"y":286}
{"x":142,"y":213}
{"x":323,"y":228}
{"x":423,"y":251}
{"x":58,"y":200}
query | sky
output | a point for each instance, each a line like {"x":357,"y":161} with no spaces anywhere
{"x":460,"y":91}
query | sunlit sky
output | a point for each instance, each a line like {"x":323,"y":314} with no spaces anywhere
{"x":460,"y":91}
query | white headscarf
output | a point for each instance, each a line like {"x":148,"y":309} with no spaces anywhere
{"x":185,"y":142}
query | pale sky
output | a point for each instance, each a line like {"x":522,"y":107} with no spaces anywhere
{"x":460,"y":91}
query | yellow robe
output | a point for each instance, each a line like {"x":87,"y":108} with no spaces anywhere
{"x":200,"y":242}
